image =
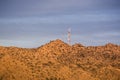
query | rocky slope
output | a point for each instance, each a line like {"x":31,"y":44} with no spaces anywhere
{"x":57,"y":60}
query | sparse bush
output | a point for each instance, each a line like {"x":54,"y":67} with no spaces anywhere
{"x":102,"y":62}
{"x":1,"y":78}
{"x":54,"y":78}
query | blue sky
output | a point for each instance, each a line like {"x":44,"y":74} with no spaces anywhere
{"x":32,"y":23}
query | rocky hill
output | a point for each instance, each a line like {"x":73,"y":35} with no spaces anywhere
{"x":57,"y":60}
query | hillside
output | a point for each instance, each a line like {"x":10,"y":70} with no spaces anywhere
{"x":57,"y":60}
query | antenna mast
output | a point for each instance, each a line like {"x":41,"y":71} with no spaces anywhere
{"x":69,"y":36}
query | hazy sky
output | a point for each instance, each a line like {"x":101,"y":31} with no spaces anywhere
{"x":31,"y":23}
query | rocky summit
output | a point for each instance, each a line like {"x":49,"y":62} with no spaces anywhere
{"x":58,"y":60}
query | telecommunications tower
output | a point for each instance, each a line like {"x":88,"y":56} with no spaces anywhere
{"x":69,"y":36}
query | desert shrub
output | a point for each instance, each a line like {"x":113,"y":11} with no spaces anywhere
{"x":79,"y":65}
{"x":1,"y":78}
{"x":1,"y":55}
{"x":54,"y":78}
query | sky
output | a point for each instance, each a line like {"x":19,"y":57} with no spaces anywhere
{"x":32,"y":23}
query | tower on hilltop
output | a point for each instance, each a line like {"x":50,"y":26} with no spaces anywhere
{"x":69,"y":36}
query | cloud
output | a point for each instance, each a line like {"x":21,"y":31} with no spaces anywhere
{"x":54,"y":7}
{"x":90,"y":20}
{"x":96,"y":38}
